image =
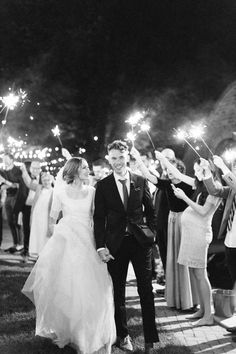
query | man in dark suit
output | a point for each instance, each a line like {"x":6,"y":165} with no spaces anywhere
{"x":121,"y":201}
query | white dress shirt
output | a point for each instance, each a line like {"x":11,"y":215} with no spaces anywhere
{"x":119,"y":184}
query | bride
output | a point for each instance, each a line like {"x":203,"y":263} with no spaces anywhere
{"x":70,"y":285}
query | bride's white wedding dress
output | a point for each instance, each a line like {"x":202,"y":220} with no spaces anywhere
{"x":70,"y":285}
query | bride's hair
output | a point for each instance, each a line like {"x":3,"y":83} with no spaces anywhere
{"x":71,"y":169}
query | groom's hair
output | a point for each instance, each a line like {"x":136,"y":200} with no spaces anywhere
{"x":71,"y":169}
{"x":118,"y":145}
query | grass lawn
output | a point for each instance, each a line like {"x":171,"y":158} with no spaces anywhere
{"x":17,"y":320}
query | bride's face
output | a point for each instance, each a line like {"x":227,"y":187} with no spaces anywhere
{"x":83,"y":172}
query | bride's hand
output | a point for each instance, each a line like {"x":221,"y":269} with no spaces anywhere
{"x":105,"y":255}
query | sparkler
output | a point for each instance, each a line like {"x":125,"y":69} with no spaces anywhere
{"x":56,"y":132}
{"x":133,"y":121}
{"x":230,"y":156}
{"x":182,"y":135}
{"x":197,"y":132}
{"x":11,"y":101}
{"x":131,"y":136}
{"x":145,"y":128}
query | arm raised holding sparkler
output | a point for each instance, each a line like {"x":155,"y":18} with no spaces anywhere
{"x":30,"y":183}
{"x":151,"y":177}
{"x":176,"y":173}
{"x":228,"y":176}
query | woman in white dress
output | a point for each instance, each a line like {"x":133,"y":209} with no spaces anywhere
{"x":70,"y":285}
{"x":39,"y":232}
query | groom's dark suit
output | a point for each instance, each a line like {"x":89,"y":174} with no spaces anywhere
{"x":118,"y":230}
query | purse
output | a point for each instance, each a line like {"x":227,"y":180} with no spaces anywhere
{"x":144,"y":232}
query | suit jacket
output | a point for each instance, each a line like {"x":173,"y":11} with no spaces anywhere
{"x":226,"y":192}
{"x":110,"y":217}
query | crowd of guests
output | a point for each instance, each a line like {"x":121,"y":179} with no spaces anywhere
{"x":26,"y":198}
{"x":184,"y":209}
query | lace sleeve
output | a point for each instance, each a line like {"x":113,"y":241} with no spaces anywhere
{"x":56,"y":205}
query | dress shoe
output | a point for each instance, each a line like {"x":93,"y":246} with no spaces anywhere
{"x":10,"y":249}
{"x":125,"y":344}
{"x":232,"y":330}
{"x":148,"y":348}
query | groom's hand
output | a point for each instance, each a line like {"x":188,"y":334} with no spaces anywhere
{"x":105,"y":255}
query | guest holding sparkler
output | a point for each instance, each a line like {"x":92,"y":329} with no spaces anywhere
{"x":196,"y":234}
{"x":178,"y":286}
{"x":228,"y":223}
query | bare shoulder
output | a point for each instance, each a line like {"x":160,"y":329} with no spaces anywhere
{"x":91,"y":189}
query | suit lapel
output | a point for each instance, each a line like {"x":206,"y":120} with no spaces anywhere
{"x":133,"y":183}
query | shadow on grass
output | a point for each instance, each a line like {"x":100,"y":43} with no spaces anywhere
{"x":16,"y":263}
{"x":17,"y":320}
{"x":34,"y":345}
{"x":12,"y":300}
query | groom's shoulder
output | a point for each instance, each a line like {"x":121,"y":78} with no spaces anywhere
{"x":137,"y":177}
{"x":105,"y":180}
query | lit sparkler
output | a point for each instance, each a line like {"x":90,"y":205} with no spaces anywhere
{"x":10,"y":102}
{"x":133,"y":120}
{"x":56,"y":132}
{"x":182,"y":135}
{"x":145,"y":128}
{"x":131,"y":136}
{"x":197,"y":132}
{"x":230,"y":156}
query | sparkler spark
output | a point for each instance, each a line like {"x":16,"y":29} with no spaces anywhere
{"x":197,"y":132}
{"x":145,"y":128}
{"x":182,"y":135}
{"x":135,"y":118}
{"x":229,"y":155}
{"x":131,"y":136}
{"x":56,"y":132}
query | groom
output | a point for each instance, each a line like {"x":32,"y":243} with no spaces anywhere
{"x":122,"y":200}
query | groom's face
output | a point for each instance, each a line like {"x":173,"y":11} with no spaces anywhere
{"x":118,"y":160}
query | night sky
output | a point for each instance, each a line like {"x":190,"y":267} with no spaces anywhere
{"x":90,"y":63}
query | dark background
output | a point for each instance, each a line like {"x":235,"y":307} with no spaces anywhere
{"x":91,"y":63}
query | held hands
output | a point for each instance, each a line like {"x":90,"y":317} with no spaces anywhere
{"x":178,"y":192}
{"x":105,"y":255}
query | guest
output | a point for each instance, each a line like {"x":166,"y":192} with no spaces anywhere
{"x":162,"y":210}
{"x":178,"y":290}
{"x":99,"y":171}
{"x":39,"y":232}
{"x":228,"y":223}
{"x":33,"y":171}
{"x":15,"y":200}
{"x":2,"y":201}
{"x":196,"y":235}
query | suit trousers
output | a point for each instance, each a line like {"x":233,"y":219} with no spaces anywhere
{"x":11,"y":219}
{"x":140,"y":258}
